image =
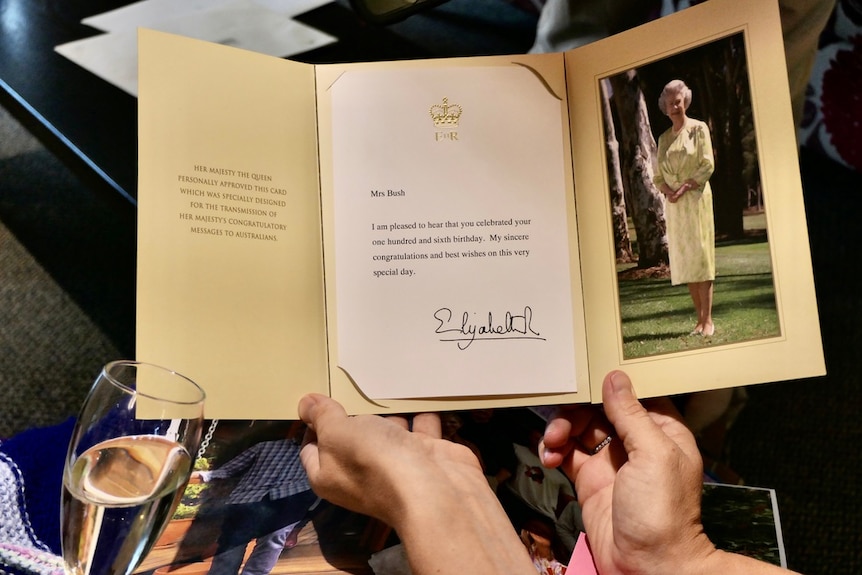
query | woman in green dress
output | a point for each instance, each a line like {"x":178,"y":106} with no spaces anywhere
{"x":685,"y":163}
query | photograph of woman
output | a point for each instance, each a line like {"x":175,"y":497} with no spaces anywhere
{"x":684,"y":165}
{"x":686,"y":202}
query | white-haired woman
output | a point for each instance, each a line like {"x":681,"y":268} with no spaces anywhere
{"x":684,"y":165}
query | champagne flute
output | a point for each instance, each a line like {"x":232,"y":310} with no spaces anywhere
{"x":129,"y":460}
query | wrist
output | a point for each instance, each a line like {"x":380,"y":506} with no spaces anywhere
{"x":681,"y":556}
{"x":703,"y":558}
{"x":433,"y":492}
{"x":454,"y":512}
{"x":726,"y":563}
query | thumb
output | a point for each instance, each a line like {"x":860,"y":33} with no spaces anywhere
{"x":325,"y":418}
{"x":315,"y":408}
{"x":630,"y":419}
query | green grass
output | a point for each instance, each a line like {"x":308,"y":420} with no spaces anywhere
{"x":657,"y":317}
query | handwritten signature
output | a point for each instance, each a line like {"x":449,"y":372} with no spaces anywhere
{"x":513,"y":326}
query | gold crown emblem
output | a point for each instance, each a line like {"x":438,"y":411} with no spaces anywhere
{"x":445,"y":115}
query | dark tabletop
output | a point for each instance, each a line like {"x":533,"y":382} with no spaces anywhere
{"x":92,"y":125}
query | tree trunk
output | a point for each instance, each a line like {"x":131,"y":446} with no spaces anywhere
{"x":619,"y":218}
{"x":637,"y":151}
{"x":729,"y":98}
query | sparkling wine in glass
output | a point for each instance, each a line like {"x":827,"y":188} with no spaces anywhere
{"x":128,"y":463}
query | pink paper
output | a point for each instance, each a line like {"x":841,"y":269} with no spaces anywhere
{"x":581,"y":562}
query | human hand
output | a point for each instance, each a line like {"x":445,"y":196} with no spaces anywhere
{"x":199,"y":477}
{"x":681,"y":190}
{"x":432,"y":491}
{"x":640,"y":495}
{"x":361,"y":462}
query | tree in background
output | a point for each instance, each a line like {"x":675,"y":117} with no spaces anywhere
{"x":619,"y":219}
{"x":637,"y":149}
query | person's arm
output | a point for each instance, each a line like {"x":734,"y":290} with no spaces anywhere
{"x":431,"y":491}
{"x":640,"y":495}
{"x":705,"y":159}
{"x":687,"y":185}
{"x":233,"y":467}
{"x":658,"y":176}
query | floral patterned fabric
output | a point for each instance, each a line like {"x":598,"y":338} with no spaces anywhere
{"x":832,"y":118}
{"x":690,"y":222}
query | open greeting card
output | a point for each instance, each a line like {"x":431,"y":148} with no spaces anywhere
{"x":467,"y":232}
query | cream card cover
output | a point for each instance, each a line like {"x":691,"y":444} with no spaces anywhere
{"x":440,"y":234}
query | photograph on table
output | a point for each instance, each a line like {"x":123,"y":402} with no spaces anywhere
{"x":249,"y":509}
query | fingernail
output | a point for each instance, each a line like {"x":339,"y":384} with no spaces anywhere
{"x":306,"y":403}
{"x":621,"y":384}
